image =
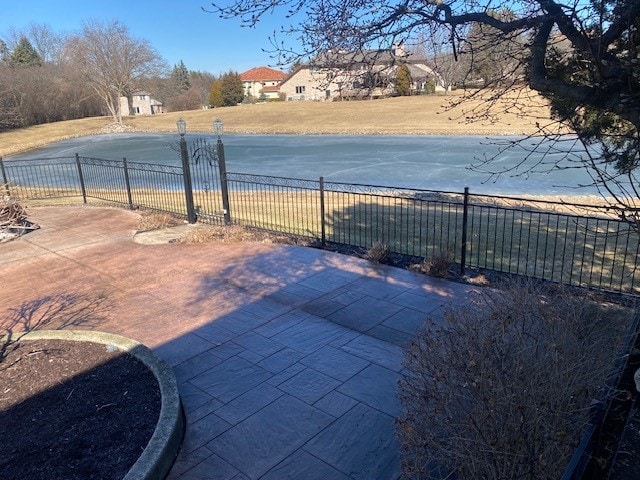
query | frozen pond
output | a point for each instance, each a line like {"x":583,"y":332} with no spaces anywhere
{"x":428,"y":162}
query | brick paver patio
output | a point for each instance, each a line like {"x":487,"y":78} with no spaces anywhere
{"x":287,"y":357}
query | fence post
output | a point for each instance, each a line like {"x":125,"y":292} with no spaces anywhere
{"x":186,"y":176}
{"x":465,"y":221}
{"x":82,"y":187}
{"x":323,"y":237}
{"x":127,"y":183}
{"x":5,"y":181}
{"x":224,"y":186}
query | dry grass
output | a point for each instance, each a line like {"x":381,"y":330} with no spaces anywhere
{"x":438,"y":265}
{"x":151,"y":220}
{"x":39,"y":135}
{"x":209,"y":234}
{"x":236,"y":234}
{"x":379,"y":252}
{"x":429,"y":114}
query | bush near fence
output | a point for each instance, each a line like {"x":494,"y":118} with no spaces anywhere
{"x":572,"y":244}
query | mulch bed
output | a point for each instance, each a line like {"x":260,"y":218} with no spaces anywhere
{"x":73,"y":410}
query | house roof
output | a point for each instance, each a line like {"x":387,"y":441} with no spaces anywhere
{"x":261,"y":74}
{"x":344,"y":59}
{"x":417,"y":72}
{"x":271,"y":88}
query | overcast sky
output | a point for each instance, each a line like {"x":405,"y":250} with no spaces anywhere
{"x":178,"y":29}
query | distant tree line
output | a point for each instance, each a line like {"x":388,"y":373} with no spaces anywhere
{"x":47,"y":76}
{"x":39,"y":81}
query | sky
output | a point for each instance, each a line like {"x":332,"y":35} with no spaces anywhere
{"x":178,"y":29}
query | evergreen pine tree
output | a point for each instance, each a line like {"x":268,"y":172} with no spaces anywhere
{"x":25,"y":55}
{"x":231,"y":87}
{"x":403,"y":81}
{"x":180,"y":77}
{"x":4,"y":52}
{"x":215,"y":95}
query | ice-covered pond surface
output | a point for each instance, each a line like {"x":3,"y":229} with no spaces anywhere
{"x":427,"y":162}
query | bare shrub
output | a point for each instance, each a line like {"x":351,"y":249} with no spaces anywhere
{"x":204,"y":234}
{"x":379,"y":252}
{"x":157,"y":220}
{"x":502,"y":388}
{"x":238,"y":234}
{"x":223,"y":233}
{"x":437,"y":265}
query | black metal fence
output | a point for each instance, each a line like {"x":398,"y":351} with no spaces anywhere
{"x":573,"y":244}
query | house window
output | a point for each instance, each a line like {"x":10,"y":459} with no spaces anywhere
{"x":300,"y":89}
{"x":141,"y":97}
{"x":136,"y":110}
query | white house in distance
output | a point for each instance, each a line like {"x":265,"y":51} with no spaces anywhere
{"x":141,"y":104}
{"x":365,"y":74}
{"x":262,"y":82}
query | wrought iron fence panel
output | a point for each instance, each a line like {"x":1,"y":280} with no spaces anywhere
{"x":157,"y":187}
{"x":104,"y":179}
{"x":410,"y":221}
{"x":42,"y":178}
{"x":287,"y":205}
{"x":595,"y":250}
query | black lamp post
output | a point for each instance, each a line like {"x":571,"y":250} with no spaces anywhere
{"x":186,"y":172}
{"x":217,"y":129}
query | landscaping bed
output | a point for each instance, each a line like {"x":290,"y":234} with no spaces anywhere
{"x":73,"y":410}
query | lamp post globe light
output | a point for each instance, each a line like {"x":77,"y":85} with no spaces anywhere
{"x":218,"y":127}
{"x":182,"y":127}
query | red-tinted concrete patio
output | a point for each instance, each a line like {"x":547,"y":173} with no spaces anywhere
{"x":287,"y":357}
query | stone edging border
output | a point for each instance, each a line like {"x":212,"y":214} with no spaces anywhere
{"x":157,"y":458}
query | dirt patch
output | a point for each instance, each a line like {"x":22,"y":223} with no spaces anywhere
{"x":73,"y":410}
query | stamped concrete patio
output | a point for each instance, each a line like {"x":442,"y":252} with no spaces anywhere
{"x":287,"y":357}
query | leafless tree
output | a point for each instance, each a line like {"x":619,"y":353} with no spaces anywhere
{"x":592,"y":87}
{"x":434,"y":45}
{"x":32,"y":95}
{"x":48,"y":43}
{"x":113,"y":62}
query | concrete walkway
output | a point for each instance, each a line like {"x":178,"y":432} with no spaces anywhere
{"x":287,"y":357}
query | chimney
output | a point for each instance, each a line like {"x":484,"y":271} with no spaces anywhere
{"x":399,"y":51}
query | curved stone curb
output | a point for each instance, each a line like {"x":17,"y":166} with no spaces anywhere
{"x":163,"y":235}
{"x":158,"y":456}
